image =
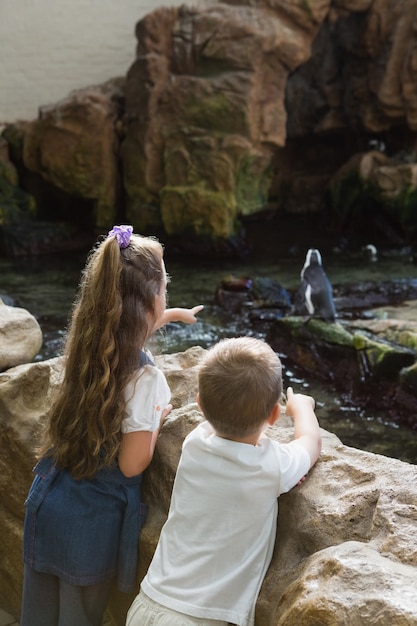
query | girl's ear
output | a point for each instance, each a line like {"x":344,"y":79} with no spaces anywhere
{"x":198,"y":401}
{"x":274,"y":414}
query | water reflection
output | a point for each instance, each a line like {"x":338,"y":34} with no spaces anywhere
{"x":46,"y":286}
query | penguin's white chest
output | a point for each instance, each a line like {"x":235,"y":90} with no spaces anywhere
{"x":309,"y":304}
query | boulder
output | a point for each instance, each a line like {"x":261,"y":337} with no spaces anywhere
{"x":345,"y":551}
{"x":70,"y":153}
{"x":340,"y":599}
{"x":20,"y":334}
{"x":367,"y":366}
{"x":372,"y":183}
{"x":205,"y":109}
{"x":26,"y":393}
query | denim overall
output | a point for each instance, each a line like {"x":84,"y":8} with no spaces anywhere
{"x":84,"y":531}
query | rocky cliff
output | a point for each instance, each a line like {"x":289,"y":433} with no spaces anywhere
{"x":238,"y":108}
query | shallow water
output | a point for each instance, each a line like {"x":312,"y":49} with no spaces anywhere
{"x":46,"y":286}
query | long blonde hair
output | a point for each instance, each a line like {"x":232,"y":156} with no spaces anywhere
{"x":112,"y":319}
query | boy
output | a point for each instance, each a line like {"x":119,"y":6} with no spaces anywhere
{"x":217,"y":543}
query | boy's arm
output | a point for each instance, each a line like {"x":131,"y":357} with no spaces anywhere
{"x":306,"y":427}
{"x":177,"y":314}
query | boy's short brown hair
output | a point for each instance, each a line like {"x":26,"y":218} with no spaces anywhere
{"x":240,"y":380}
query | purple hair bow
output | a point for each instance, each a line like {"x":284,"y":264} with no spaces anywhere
{"x":122,"y":234}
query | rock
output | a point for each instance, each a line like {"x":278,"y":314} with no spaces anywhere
{"x":72,"y":149}
{"x":339,"y":600}
{"x":23,"y":237}
{"x":372,"y":179}
{"x":352,"y":521}
{"x":408,"y":379}
{"x":21,"y":336}
{"x":228,"y":105}
{"x":235,"y":87}
{"x":205,"y":106}
{"x":26,"y":393}
{"x":15,"y":205}
{"x":257,"y":295}
{"x":355,"y":361}
{"x":350,"y":496}
{"x":400,"y":331}
{"x":382,"y":298}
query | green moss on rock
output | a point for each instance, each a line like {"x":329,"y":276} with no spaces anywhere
{"x":331,"y":333}
{"x":204,"y":212}
{"x":15,"y":204}
{"x":382,"y":358}
{"x":408,"y":379}
{"x":218,"y":112}
{"x":351,"y":196}
{"x":253,"y":182}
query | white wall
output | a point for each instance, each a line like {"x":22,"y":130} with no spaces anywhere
{"x":50,"y":47}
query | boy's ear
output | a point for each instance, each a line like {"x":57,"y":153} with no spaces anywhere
{"x":274,"y":414}
{"x":198,"y":401}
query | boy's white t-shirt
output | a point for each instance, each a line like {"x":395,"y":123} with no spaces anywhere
{"x":217,"y":543}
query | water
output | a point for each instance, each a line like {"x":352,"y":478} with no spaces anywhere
{"x":46,"y":286}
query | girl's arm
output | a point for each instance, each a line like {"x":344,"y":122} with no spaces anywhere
{"x":188,"y":316}
{"x":137,"y":448}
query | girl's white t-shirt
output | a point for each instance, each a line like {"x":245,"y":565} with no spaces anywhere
{"x":147,"y":396}
{"x":217,"y":543}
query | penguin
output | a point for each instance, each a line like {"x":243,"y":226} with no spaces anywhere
{"x":315,"y":295}
{"x":370,"y":252}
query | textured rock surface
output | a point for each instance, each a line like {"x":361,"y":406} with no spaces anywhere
{"x":26,"y":393}
{"x":371,"y":360}
{"x":73,"y":146}
{"x":199,"y":136}
{"x":233,"y":108}
{"x":345,"y":551}
{"x":218,"y":98}
{"x":20,"y":336}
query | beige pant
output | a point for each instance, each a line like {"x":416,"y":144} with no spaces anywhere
{"x":145,"y":611}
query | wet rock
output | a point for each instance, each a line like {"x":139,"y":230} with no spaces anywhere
{"x":402,"y":332}
{"x":355,"y":361}
{"x":233,"y":293}
{"x":23,"y":237}
{"x":408,"y":379}
{"x":21,"y":336}
{"x":372,"y":294}
{"x":255,"y":296}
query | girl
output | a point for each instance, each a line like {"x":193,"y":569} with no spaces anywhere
{"x":84,"y":511}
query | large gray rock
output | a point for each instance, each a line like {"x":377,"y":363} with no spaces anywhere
{"x":26,"y":393}
{"x":345,"y":552}
{"x":341,"y":598}
{"x":20,"y":336}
